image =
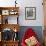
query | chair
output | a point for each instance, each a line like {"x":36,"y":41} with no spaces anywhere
{"x":28,"y":35}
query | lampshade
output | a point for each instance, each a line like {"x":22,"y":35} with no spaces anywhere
{"x":15,"y":3}
{"x":15,"y":30}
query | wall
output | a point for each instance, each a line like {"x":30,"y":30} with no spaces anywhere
{"x":27,"y":3}
{"x":39,"y":13}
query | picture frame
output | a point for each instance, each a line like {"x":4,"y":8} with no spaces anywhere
{"x":5,"y":12}
{"x":30,"y":13}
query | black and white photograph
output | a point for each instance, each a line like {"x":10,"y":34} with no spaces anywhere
{"x":30,"y":13}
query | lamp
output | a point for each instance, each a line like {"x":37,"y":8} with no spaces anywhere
{"x":15,"y":35}
{"x":15,"y":3}
{"x":15,"y":30}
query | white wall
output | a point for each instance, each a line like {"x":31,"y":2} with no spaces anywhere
{"x":27,"y":3}
{"x":39,"y":12}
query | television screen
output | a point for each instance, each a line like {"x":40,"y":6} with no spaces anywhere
{"x":9,"y":35}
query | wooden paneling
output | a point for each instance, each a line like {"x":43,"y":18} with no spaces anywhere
{"x":44,"y":6}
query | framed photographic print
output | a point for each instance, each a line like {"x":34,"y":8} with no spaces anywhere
{"x":5,"y":12}
{"x":30,"y":13}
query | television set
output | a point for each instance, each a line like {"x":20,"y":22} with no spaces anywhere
{"x":8,"y":34}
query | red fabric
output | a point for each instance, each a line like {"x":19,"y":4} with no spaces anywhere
{"x":29,"y":33}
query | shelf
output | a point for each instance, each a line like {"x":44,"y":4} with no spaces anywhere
{"x":5,"y":12}
{"x":11,"y":41}
{"x":9,"y":10}
{"x":5,"y":8}
{"x":10,"y":26}
{"x":9,"y":19}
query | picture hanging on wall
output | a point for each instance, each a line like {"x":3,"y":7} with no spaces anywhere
{"x":30,"y":13}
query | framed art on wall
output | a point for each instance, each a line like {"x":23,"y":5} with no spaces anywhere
{"x":30,"y":13}
{"x":5,"y":12}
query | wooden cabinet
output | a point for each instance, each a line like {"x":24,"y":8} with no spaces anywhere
{"x":7,"y":26}
{"x":6,"y":12}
